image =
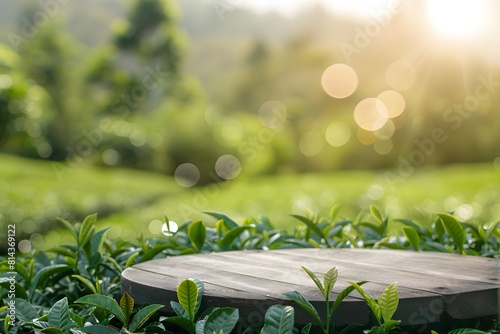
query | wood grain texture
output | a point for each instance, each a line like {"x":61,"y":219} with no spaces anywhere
{"x":430,"y":284}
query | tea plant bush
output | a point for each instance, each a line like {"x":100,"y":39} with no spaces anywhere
{"x":75,"y":287}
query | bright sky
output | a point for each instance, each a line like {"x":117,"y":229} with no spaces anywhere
{"x":474,"y":21}
{"x":450,"y":18}
{"x":291,"y":6}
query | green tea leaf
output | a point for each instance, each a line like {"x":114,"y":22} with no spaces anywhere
{"x":334,"y":211}
{"x":5,"y":283}
{"x":59,"y":316}
{"x":25,"y":312}
{"x":304,"y":303}
{"x":144,"y":244}
{"x":222,"y":319}
{"x":153,"y":252}
{"x":106,"y":303}
{"x":43,"y":274}
{"x":230,"y":224}
{"x":338,"y":227}
{"x":467,"y":331}
{"x":143,"y":315}
{"x":312,"y":226}
{"x":306,"y":329}
{"x":279,"y":319}
{"x":342,"y":295}
{"x":383,"y":227}
{"x":421,"y":230}
{"x":482,"y":232}
{"x":69,"y":226}
{"x":131,"y":259}
{"x":99,"y":329}
{"x":329,"y":281}
{"x":388,"y":301}
{"x":86,"y":230}
{"x":52,"y":330}
{"x":455,"y":230}
{"x":412,"y":236}
{"x":379,"y":229}
{"x":201,"y":291}
{"x":492,"y":228}
{"x":200,"y":326}
{"x":187,"y":293}
{"x":372,"y":304}
{"x":126,"y":305}
{"x":228,"y":239}
{"x":86,"y":282}
{"x":197,"y":234}
{"x":97,"y":239}
{"x":178,"y":309}
{"x":6,"y":321}
{"x":62,"y":250}
{"x":182,"y":322}
{"x":390,"y":325}
{"x":352,"y":239}
{"x":376,"y":213}
{"x":449,"y":249}
{"x":439,"y":228}
{"x":351,"y":328}
{"x":315,"y":280}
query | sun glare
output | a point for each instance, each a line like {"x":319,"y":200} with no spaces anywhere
{"x":456,"y":18}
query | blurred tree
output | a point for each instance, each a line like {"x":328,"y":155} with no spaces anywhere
{"x":142,"y":65}
{"x":50,"y":60}
{"x":150,"y":113}
{"x":25,"y":110}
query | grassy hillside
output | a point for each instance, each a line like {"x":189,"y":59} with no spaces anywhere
{"x":34,"y":193}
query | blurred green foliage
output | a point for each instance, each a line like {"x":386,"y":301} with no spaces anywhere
{"x":153,"y":85}
{"x":123,"y":103}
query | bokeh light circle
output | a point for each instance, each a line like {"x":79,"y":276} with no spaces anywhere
{"x":366,"y":137}
{"x":311,"y":143}
{"x":155,"y":226}
{"x":370,"y":114}
{"x":155,"y":140}
{"x":464,"y":212}
{"x":169,"y":228}
{"x":339,"y":81}
{"x":375,"y":192}
{"x":229,"y":131}
{"x":24,"y":246}
{"x":44,"y":150}
{"x":394,"y":102}
{"x":5,"y":81}
{"x":496,"y":164}
{"x":383,"y":147}
{"x":187,"y":175}
{"x":327,"y":199}
{"x":337,"y":134}
{"x":228,"y":167}
{"x":110,"y":157}
{"x":138,"y":138}
{"x":386,"y":132}
{"x":273,"y":114}
{"x":401,"y":75}
{"x":37,"y":240}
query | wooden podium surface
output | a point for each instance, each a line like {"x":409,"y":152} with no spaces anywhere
{"x":430,"y":285}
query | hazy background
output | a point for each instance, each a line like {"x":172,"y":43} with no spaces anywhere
{"x":207,"y":92}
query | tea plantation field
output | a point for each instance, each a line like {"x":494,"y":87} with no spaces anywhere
{"x":34,"y":193}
